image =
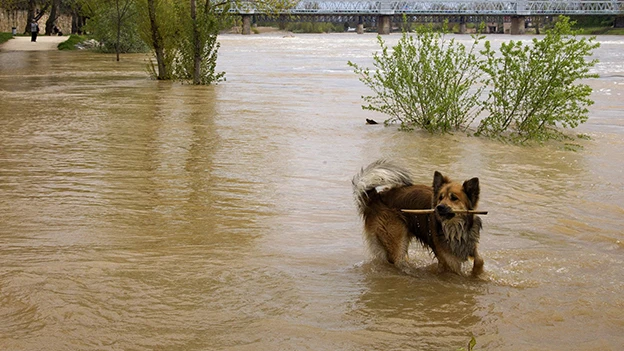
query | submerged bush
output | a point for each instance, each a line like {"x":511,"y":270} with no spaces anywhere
{"x":425,"y":82}
{"x":533,"y":88}
{"x":429,"y":83}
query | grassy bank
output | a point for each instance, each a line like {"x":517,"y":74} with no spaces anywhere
{"x":70,"y":44}
{"x":4,"y":37}
{"x":602,"y":30}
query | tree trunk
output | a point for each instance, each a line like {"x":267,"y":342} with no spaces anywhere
{"x":537,"y":21}
{"x":78,"y":21}
{"x":196,"y":45}
{"x":54,"y":14}
{"x":75,"y":27}
{"x":30,"y":17}
{"x":42,"y":12}
{"x":157,"y":41}
{"x":117,"y":43}
{"x":32,"y":6}
{"x":118,"y":30}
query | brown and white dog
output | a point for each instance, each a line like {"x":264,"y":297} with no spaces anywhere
{"x":382,"y":189}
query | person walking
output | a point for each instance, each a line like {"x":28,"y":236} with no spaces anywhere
{"x":34,"y":30}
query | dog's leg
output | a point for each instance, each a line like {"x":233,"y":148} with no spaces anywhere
{"x":477,"y":267}
{"x":448,"y":262}
{"x":396,"y":242}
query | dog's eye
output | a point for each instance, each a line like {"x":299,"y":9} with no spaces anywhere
{"x":441,"y":197}
{"x":454,"y":198}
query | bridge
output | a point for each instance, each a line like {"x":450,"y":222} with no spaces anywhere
{"x":385,"y":10}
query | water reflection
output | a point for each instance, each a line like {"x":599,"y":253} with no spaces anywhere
{"x":421,"y":310}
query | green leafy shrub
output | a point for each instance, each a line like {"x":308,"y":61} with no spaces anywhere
{"x":429,"y":83}
{"x":70,"y":43}
{"x":532,"y":88}
{"x":425,"y":81}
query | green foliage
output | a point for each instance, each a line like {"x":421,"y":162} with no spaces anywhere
{"x":428,"y":83}
{"x":425,"y":82}
{"x":70,"y":43}
{"x":602,"y":31}
{"x":110,"y":18}
{"x":533,"y":88}
{"x":206,"y":27}
{"x":4,"y":37}
{"x":578,"y":22}
{"x":185,"y":46}
{"x":182,"y":39}
{"x":471,"y":344}
{"x":163,"y":34}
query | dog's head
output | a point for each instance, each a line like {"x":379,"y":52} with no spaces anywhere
{"x":449,"y":196}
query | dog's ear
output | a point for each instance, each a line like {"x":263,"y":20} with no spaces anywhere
{"x":471,"y":188}
{"x":438,"y":181}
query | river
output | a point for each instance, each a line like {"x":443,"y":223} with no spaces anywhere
{"x":146,"y":215}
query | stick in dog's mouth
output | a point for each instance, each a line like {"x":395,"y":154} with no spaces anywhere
{"x":429,"y":211}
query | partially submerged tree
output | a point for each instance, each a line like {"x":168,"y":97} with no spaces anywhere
{"x":183,"y":36}
{"x":196,"y":59}
{"x":123,"y":15}
{"x":425,"y":81}
{"x":534,"y":90}
{"x":113,"y":23}
{"x":159,"y":21}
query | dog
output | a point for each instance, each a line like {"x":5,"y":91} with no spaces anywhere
{"x":383,"y":189}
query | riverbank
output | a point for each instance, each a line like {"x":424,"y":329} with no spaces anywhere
{"x":23,"y":43}
{"x":4,"y":37}
{"x":603,"y":31}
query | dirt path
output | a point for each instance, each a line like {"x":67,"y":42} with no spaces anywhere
{"x":43,"y":43}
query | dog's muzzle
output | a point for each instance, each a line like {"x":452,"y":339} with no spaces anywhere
{"x":444,"y":211}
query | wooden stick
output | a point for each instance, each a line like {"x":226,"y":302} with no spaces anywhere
{"x":429,"y":211}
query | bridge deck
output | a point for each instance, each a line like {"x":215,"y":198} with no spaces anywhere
{"x":444,"y":7}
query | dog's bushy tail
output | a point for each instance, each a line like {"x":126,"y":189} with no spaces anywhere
{"x":379,"y":176}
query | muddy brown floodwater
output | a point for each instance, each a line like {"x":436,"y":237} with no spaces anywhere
{"x":146,"y":215}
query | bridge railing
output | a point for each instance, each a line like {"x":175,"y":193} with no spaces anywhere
{"x":442,"y":7}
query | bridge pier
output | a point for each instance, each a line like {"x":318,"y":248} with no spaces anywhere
{"x":246,"y":24}
{"x":360,"y":26}
{"x":619,"y":22}
{"x":462,"y":25}
{"x":384,"y":24}
{"x":517,"y":25}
